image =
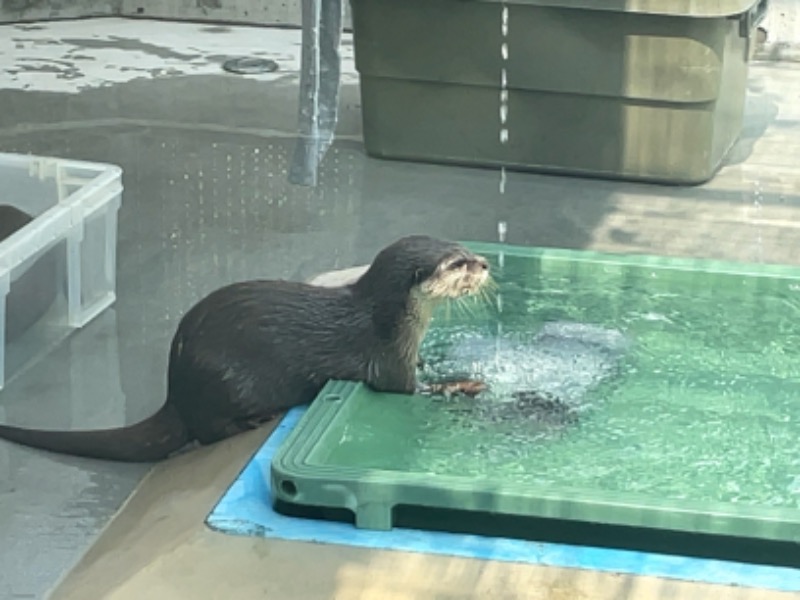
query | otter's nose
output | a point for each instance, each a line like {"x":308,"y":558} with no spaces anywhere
{"x":480,"y":264}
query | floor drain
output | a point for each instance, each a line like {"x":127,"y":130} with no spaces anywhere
{"x":248,"y":65}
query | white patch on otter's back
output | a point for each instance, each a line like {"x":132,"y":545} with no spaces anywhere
{"x":339,"y":277}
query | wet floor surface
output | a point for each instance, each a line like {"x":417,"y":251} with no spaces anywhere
{"x":205,"y":157}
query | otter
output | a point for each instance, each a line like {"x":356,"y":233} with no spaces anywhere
{"x":251,"y":350}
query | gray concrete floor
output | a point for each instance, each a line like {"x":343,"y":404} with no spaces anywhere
{"x":205,"y":157}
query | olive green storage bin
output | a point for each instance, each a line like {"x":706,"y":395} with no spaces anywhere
{"x":631,"y":89}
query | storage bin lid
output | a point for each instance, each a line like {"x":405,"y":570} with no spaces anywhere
{"x":684,"y":8}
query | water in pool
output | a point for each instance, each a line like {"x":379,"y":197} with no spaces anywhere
{"x":661,"y":381}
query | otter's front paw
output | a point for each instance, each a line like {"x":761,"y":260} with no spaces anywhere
{"x":468,"y":387}
{"x":471,"y":387}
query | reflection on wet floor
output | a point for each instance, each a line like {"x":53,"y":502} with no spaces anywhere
{"x":203,"y":207}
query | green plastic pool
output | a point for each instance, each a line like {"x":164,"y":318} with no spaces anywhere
{"x":623,"y":390}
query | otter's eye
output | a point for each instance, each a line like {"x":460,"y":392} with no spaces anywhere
{"x":457,"y":264}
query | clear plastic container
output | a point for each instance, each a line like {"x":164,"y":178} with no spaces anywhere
{"x":58,"y":270}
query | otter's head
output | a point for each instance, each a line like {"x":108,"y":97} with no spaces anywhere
{"x":427,"y":269}
{"x":402,"y":286}
{"x":457,"y":273}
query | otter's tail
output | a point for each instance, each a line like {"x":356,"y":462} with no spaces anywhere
{"x":150,"y":440}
